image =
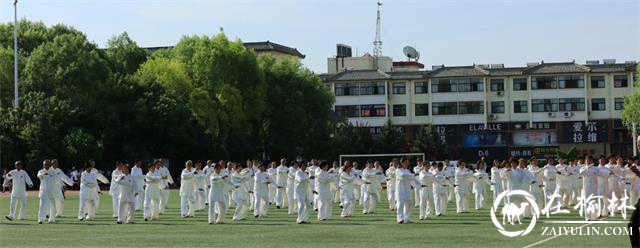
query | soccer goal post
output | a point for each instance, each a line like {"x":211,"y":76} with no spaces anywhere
{"x":392,"y":155}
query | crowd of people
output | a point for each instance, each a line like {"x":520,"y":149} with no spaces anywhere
{"x":302,"y":187}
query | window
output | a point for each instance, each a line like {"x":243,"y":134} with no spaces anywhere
{"x":598,"y":104}
{"x":373,"y":88}
{"x":571,"y":104}
{"x":520,"y":107}
{"x":340,"y":89}
{"x":620,"y":81}
{"x":476,"y":107}
{"x":443,"y":85}
{"x":422,"y":88}
{"x":544,"y":83}
{"x":497,"y":84}
{"x":399,"y":88}
{"x":444,"y":108}
{"x":347,"y":111}
{"x":422,"y":109}
{"x":571,"y":82}
{"x":399,"y":110}
{"x":519,"y":84}
{"x":618,"y":103}
{"x":597,"y":82}
{"x":469,"y":85}
{"x":544,"y":105}
{"x":497,"y":107}
{"x":375,"y":110}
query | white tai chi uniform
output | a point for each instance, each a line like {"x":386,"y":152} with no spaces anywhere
{"x":88,"y":197}
{"x":128,"y":191}
{"x":426,"y":198}
{"x":576,"y":181}
{"x":461,"y":184}
{"x":404,"y":196}
{"x":114,"y":192}
{"x":615,"y":182}
{"x":324,"y":183}
{"x":480,"y":179}
{"x":19,"y":180}
{"x":208,"y":169}
{"x":311,"y":171}
{"x":200,"y":181}
{"x":164,"y":187}
{"x":302,"y":196}
{"x":281,"y":186}
{"x":152,"y":195}
{"x":96,"y":191}
{"x":564,"y":183}
{"x":58,"y":196}
{"x":138,"y":176}
{"x":603,"y":187}
{"x":291,"y":178}
{"x":391,"y":187}
{"x":346,"y":193}
{"x":451,"y":171}
{"x":440,"y":192}
{"x":47,"y":201}
{"x":549,"y":175}
{"x":261,"y":191}
{"x":496,"y":181}
{"x":240,"y":193}
{"x":272,"y":187}
{"x":370,"y":186}
{"x":187,"y":193}
{"x":590,"y":187}
{"x":217,"y":197}
{"x":416,"y":191}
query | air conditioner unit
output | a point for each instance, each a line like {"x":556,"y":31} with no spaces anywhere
{"x":493,"y":116}
{"x":568,"y":114}
{"x":551,"y":114}
{"x":500,"y":93}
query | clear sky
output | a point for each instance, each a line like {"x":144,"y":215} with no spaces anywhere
{"x":450,"y":32}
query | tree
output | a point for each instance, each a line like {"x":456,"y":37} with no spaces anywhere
{"x":124,"y":55}
{"x":428,"y":141}
{"x":390,"y":140}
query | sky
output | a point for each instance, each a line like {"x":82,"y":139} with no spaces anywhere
{"x":449,"y":32}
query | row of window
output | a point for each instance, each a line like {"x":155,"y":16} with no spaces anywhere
{"x":477,"y":85}
{"x":477,"y":107}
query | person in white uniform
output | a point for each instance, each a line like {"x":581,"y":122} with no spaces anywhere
{"x":62,"y":179}
{"x":391,"y":184}
{"x":496,"y":179}
{"x":416,"y":191}
{"x":281,"y":184}
{"x":261,"y":191}
{"x":138,"y":176}
{"x":589,"y":174}
{"x":88,"y":196}
{"x":187,"y":191}
{"x":47,"y":205}
{"x":164,"y":184}
{"x":151,"y":207}
{"x":113,"y":189}
{"x":127,"y":195}
{"x":450,"y":169}
{"x":405,"y":179}
{"x":481,"y":178}
{"x":201,"y":184}
{"x":347,"y":199}
{"x":240,"y":195}
{"x":440,"y":190}
{"x":370,"y":186}
{"x":462,"y":189}
{"x":549,"y":175}
{"x":208,"y":169}
{"x":19,"y":180}
{"x":324,"y":184}
{"x":291,"y":178}
{"x":426,"y":198}
{"x":271,"y":170}
{"x":564,"y":182}
{"x":302,"y":196}
{"x":218,"y":195}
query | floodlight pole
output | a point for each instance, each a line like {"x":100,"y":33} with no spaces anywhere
{"x":15,"y":53}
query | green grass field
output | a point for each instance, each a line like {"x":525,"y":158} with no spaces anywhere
{"x":473,"y":229}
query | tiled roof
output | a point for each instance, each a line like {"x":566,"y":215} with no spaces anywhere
{"x":611,"y":67}
{"x":353,"y":75}
{"x":271,"y":46}
{"x":511,"y":71}
{"x":554,"y":68}
{"x":458,"y":71}
{"x":408,"y":74}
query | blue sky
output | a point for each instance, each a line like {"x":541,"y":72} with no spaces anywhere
{"x":453,"y":32}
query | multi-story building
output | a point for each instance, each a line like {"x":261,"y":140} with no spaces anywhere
{"x":492,"y":110}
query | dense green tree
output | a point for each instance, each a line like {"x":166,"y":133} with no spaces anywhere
{"x":631,"y":112}
{"x":428,"y":141}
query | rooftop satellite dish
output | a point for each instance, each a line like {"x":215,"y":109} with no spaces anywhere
{"x":411,"y":53}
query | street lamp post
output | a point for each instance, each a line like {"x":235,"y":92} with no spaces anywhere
{"x":15,"y":53}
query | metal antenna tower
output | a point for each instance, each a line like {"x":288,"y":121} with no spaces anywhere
{"x":377,"y":43}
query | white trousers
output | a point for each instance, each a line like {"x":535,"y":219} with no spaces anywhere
{"x":260,"y":205}
{"x":292,"y":207}
{"x":187,"y":205}
{"x":440,"y":199}
{"x":281,"y":199}
{"x":200,"y":200}
{"x":125,"y":211}
{"x":18,"y":203}
{"x":403,"y":212}
{"x":164,"y":200}
{"x":151,"y":207}
{"x":391,"y":197}
{"x":47,"y":207}
{"x":480,"y":199}
{"x":115,"y":204}
{"x":241,"y":209}
{"x":369,"y":202}
{"x":462,"y":199}
{"x":425,"y":202}
{"x":304,"y":208}
{"x":325,"y":207}
{"x":87,"y":208}
{"x":217,"y":211}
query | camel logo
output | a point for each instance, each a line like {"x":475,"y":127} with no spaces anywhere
{"x":518,"y":202}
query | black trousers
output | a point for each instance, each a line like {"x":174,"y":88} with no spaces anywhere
{"x":634,"y":224}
